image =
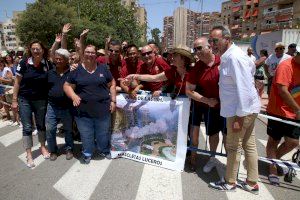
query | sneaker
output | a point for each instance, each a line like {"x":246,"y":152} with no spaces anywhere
{"x":15,"y":123}
{"x":20,"y":125}
{"x":210,"y":165}
{"x":222,"y":186}
{"x":107,"y":156}
{"x":252,"y":189}
{"x":86,"y":159}
{"x":53,"y":156}
{"x":69,"y":155}
{"x":35,"y":132}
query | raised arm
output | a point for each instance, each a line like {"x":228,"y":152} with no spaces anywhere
{"x":65,"y":30}
{"x":55,"y":45}
{"x":82,"y":42}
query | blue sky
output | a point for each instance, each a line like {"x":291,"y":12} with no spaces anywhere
{"x":156,"y":9}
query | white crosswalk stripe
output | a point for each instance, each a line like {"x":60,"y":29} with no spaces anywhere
{"x":11,"y":137}
{"x":4,"y":123}
{"x":263,"y":193}
{"x":159,"y":183}
{"x":80,"y":181}
{"x":38,"y":160}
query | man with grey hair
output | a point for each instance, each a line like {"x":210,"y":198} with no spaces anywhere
{"x":273,"y":60}
{"x":59,"y":105}
{"x":240,"y":105}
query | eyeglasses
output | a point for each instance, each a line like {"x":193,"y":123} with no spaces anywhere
{"x":90,"y":52}
{"x":213,"y":40}
{"x":36,"y":49}
{"x":114,"y":51}
{"x":279,"y":48}
{"x":198,"y":48}
{"x":146,"y":53}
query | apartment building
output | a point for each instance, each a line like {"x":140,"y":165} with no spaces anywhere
{"x":140,"y":14}
{"x":247,"y":18}
{"x":8,"y":39}
{"x":186,"y":25}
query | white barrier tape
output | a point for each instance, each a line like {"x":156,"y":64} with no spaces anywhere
{"x":281,"y":163}
{"x":280,"y":120}
{"x":7,"y":86}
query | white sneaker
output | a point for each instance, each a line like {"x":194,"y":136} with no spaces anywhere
{"x":35,"y":132}
{"x":210,"y":165}
{"x":13,"y":123}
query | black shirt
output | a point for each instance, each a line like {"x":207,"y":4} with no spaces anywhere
{"x":56,"y":94}
{"x":93,"y":90}
{"x":34,"y":81}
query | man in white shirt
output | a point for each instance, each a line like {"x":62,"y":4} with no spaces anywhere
{"x":250,"y":54}
{"x":273,"y":60}
{"x":240,"y":105}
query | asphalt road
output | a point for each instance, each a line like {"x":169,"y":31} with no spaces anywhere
{"x":120,"y":178}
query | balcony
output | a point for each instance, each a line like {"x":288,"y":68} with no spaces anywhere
{"x":270,"y":14}
{"x":268,"y":2}
{"x":286,"y":11}
{"x":283,"y":25}
{"x":268,"y":27}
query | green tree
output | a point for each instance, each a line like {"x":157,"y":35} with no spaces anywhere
{"x":44,"y":18}
{"x":155,"y":33}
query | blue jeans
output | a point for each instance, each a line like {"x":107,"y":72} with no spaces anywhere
{"x":53,"y":116}
{"x":94,"y":129}
{"x":26,"y":108}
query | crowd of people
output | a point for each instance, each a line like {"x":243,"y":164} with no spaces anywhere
{"x":224,"y":84}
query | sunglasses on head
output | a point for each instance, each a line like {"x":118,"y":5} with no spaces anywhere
{"x":146,"y":53}
{"x":279,"y":48}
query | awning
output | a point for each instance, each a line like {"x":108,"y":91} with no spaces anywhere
{"x":248,"y":2}
{"x":235,"y":27}
{"x":235,"y":9}
{"x":236,"y":1}
{"x":255,"y":12}
{"x":282,"y":18}
{"x":247,"y":14}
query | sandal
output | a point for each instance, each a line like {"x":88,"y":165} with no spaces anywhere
{"x":45,"y":153}
{"x":274,"y":179}
{"x":30,"y":163}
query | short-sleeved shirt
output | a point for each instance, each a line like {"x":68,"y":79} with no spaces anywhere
{"x":128,"y":68}
{"x":174,"y":79}
{"x":93,"y":90}
{"x":206,"y":78}
{"x":287,"y":74}
{"x":56,"y":94}
{"x":3,"y":73}
{"x":34,"y":83}
{"x":158,"y":66}
{"x":114,"y":68}
{"x":272,"y":61}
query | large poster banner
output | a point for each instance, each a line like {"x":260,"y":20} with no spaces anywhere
{"x":151,"y":130}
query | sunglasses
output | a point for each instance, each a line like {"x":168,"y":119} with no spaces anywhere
{"x":279,"y":48}
{"x":147,"y":53}
{"x":198,"y":48}
{"x":114,"y":51}
{"x":213,"y":40}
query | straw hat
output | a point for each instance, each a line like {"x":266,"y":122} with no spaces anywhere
{"x":102,"y":51}
{"x":184,"y":51}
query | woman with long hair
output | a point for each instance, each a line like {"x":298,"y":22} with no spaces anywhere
{"x":30,"y":96}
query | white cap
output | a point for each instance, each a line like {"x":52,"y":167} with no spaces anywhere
{"x":20,"y":49}
{"x":4,"y":53}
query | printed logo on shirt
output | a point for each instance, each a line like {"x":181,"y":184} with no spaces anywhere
{"x":18,"y":67}
{"x":101,"y":75}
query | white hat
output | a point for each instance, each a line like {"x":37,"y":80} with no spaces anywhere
{"x":4,"y":53}
{"x":20,"y":49}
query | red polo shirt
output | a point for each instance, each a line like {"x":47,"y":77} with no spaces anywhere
{"x":206,"y":78}
{"x":114,"y":68}
{"x":158,"y":66}
{"x":129,"y":68}
{"x":175,"y":79}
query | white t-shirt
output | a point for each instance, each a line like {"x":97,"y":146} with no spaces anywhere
{"x":4,"y":72}
{"x":252,"y":57}
{"x":272,"y":61}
